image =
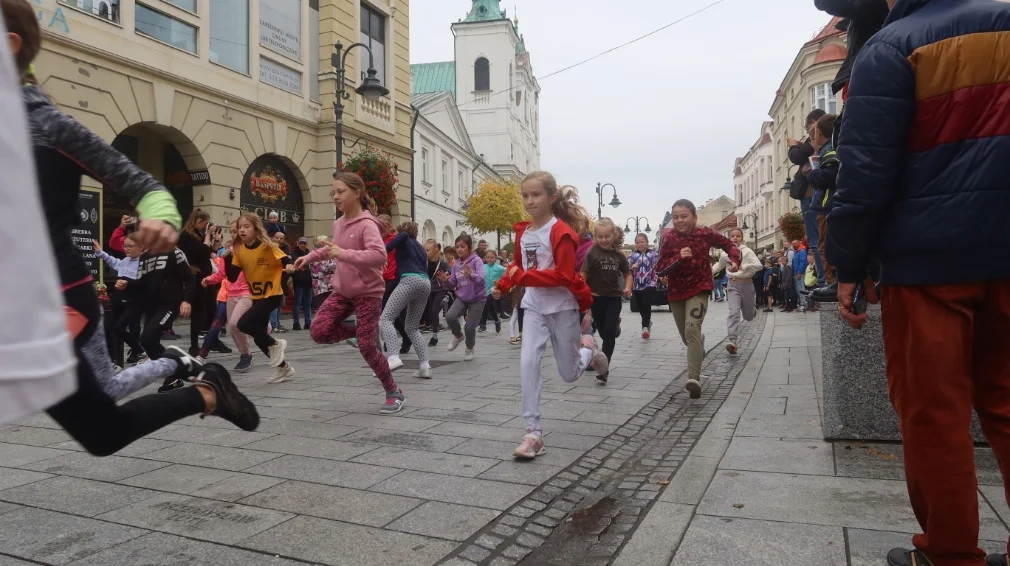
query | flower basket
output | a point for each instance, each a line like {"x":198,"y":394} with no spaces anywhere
{"x":792,"y":226}
{"x":103,"y":295}
{"x":378,"y":172}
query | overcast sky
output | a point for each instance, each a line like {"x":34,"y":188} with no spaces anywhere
{"x":661,"y":119}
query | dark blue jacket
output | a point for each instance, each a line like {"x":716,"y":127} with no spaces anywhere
{"x":925,"y":147}
{"x":410,"y":254}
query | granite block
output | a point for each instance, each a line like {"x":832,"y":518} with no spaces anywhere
{"x":444,"y":520}
{"x":521,"y":472}
{"x":10,"y":477}
{"x":329,"y":472}
{"x":218,"y":457}
{"x":451,"y":489}
{"x":424,"y":461}
{"x":658,"y":537}
{"x":717,"y":540}
{"x":313,"y":447}
{"x":17,"y":455}
{"x":54,"y":538}
{"x":84,"y":465}
{"x":76,"y":495}
{"x":869,"y":548}
{"x":771,"y":455}
{"x":161,"y":548}
{"x":331,"y":502}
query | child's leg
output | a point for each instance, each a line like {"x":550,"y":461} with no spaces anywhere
{"x":566,"y":338}
{"x":368,"y":311}
{"x":254,"y":322}
{"x":514,"y":322}
{"x":128,"y":325}
{"x":220,"y":319}
{"x":418,"y":289}
{"x":679,"y":310}
{"x":695,"y":309}
{"x":236,"y":307}
{"x":606,"y":311}
{"x":394,"y":305}
{"x":522,"y":313}
{"x":158,"y":321}
{"x":330,"y":327}
{"x":534,"y":344}
{"x":452,"y":317}
{"x":473,"y":311}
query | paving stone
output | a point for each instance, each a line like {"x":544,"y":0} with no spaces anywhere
{"x":772,"y":455}
{"x":529,"y":540}
{"x":522,"y":512}
{"x":489,"y":542}
{"x":521,"y":472}
{"x":76,"y":495}
{"x":55,"y":538}
{"x":458,"y":562}
{"x":84,"y":465}
{"x":161,"y":548}
{"x":472,"y":417}
{"x":385,"y":423}
{"x":205,"y":435}
{"x":868,"y":548}
{"x":475,"y":553}
{"x":516,"y":552}
{"x":300,"y":538}
{"x":33,"y":436}
{"x":331,"y":502}
{"x":329,"y":472}
{"x":313,"y":447}
{"x":218,"y":457}
{"x":502,"y":450}
{"x":500,"y":561}
{"x":12,"y":478}
{"x":539,"y":530}
{"x":425,"y":461}
{"x":464,"y":491}
{"x":513,"y":520}
{"x":309,"y":429}
{"x":691,"y":481}
{"x":16,"y":455}
{"x":503,"y":530}
{"x":714,"y":540}
{"x":444,"y":520}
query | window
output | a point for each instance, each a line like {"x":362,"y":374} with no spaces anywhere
{"x":105,"y":9}
{"x":281,"y":27}
{"x":229,"y":34}
{"x":771,"y":175}
{"x":459,"y":183}
{"x":510,"y":80}
{"x":482,"y":74}
{"x":424,"y":165}
{"x":373,"y":34}
{"x":166,"y":29}
{"x":822,"y":97}
{"x":314,"y":50}
{"x":445,"y":177}
{"x":188,"y":5}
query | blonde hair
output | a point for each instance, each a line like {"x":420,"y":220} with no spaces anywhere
{"x":257,"y":224}
{"x":410,"y":228}
{"x":354,"y":182}
{"x":320,"y":240}
{"x":566,"y":206}
{"x":618,"y":234}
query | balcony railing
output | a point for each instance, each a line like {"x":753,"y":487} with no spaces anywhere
{"x":482,"y":97}
{"x":378,"y":113}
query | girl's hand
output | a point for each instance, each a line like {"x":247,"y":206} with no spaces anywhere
{"x":467,"y":272}
{"x":185,"y":309}
{"x":156,"y":236}
{"x":301,"y":263}
{"x":686,"y":253}
{"x":290,"y":268}
{"x":205,"y":281}
{"x":120,"y":284}
{"x":442,"y":276}
{"x":734,"y":267}
{"x":98,"y":246}
{"x":335,"y":250}
{"x":627,"y":291}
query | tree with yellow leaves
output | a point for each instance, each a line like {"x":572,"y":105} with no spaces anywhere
{"x":495,"y":206}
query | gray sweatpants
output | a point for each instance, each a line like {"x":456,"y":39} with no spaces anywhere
{"x":411,"y":293}
{"x":741,"y":302}
{"x":130,"y":380}
{"x":563,"y":330}
{"x":473,"y":312}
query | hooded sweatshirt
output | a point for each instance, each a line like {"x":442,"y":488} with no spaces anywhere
{"x":468,"y":289}
{"x":362,"y":257}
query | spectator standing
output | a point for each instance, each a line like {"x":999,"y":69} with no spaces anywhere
{"x":302,"y":283}
{"x":799,"y":154}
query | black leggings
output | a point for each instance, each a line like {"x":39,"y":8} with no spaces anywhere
{"x":122,"y":326}
{"x":255,"y":320}
{"x":92,"y":418}
{"x":606,"y":311}
{"x":434,"y":309}
{"x":644,"y":300}
{"x":202,"y":314}
{"x":492,"y":310}
{"x":159,"y":319}
{"x":398,"y":322}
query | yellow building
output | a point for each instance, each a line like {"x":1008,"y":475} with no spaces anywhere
{"x":230,"y":102}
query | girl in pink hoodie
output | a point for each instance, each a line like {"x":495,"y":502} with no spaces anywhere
{"x":358,"y":285}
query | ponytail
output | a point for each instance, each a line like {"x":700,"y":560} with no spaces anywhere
{"x":567,"y":208}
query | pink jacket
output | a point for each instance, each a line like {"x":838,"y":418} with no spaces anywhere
{"x":362,"y":257}
{"x":237,"y":289}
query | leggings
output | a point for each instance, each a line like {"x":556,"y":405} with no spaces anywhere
{"x":606,"y":312}
{"x":562,"y":329}
{"x":123,"y":327}
{"x":435,"y":299}
{"x":90,"y":415}
{"x":398,"y":323}
{"x":689,"y":315}
{"x":159,"y":319}
{"x":236,"y":307}
{"x":643,"y":297}
{"x":473,"y":311}
{"x":492,"y":310}
{"x":516,"y":321}
{"x":203,"y":308}
{"x":329,"y":326}
{"x":411,"y":295}
{"x":255,"y":322}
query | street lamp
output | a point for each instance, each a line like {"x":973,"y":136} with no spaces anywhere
{"x":370,"y":89}
{"x":789,"y":181}
{"x":637,"y":219}
{"x":745,"y":227}
{"x":599,"y":197}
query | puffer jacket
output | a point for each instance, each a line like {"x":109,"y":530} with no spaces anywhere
{"x":924,"y":150}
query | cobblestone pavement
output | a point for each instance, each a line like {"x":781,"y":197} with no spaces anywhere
{"x":327,"y":480}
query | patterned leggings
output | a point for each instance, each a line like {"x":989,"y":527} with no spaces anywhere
{"x":328,"y":327}
{"x":411,"y":294}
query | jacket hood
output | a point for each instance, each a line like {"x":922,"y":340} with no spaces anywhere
{"x":34,"y":97}
{"x":365,"y":216}
{"x":904,"y":8}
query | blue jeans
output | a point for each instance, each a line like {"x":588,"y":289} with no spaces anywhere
{"x":813,"y":238}
{"x":303,"y":302}
{"x":275,"y":318}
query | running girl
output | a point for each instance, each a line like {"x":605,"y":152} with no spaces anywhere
{"x":163,"y":281}
{"x":643,"y":270}
{"x":607,"y":272}
{"x":467,"y":280}
{"x":555,"y":294}
{"x":690,"y":281}
{"x":127,"y":306}
{"x":237,"y":303}
{"x":437,"y":295}
{"x":740,"y":291}
{"x":410,"y":294}
{"x":360,"y":254}
{"x":257,"y":257}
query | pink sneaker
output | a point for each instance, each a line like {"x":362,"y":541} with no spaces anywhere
{"x":599,"y":361}
{"x":531,"y":447}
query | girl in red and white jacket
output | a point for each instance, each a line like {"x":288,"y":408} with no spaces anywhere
{"x":555,"y":294}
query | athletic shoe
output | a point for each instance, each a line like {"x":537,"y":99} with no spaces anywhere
{"x":405,"y":347}
{"x":906,"y":557}
{"x":424,"y":373}
{"x":133,"y":357}
{"x":244,"y":362}
{"x":997,"y":560}
{"x":481,"y":329}
{"x":454,"y":343}
{"x":277,"y":353}
{"x":395,"y":363}
{"x":280,"y":329}
{"x":769,"y":310}
{"x":230,"y":404}
{"x":116,"y":368}
{"x":599,"y":361}
{"x":731,"y":348}
{"x":194,"y":351}
{"x":169,"y":335}
{"x":394,"y":402}
{"x":433,"y":341}
{"x":468,"y":355}
{"x":531,"y":446}
{"x":295,"y":327}
{"x":283,"y":374}
{"x":646,"y":333}
{"x":602,"y":378}
{"x":221,"y":348}
{"x":353,"y":342}
{"x":497,"y":327}
{"x":190,"y":366}
{"x":170,"y":385}
{"x":693,"y":387}
{"x":144,"y":358}
{"x":514,"y":340}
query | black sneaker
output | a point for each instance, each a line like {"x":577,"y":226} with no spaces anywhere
{"x":221,"y":348}
{"x":295,"y":327}
{"x":171,"y":384}
{"x":231,"y":404}
{"x":906,"y":557}
{"x":997,"y":560}
{"x":169,"y":335}
{"x":433,"y":341}
{"x":602,"y":378}
{"x":244,"y":363}
{"x":132,"y":357}
{"x":769,"y":310}
{"x":497,"y":327}
{"x":193,"y":350}
{"x":481,"y":329}
{"x":827,"y":294}
{"x":189,"y":365}
{"x":405,"y":347}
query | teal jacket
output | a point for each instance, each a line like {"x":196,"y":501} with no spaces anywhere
{"x":492,"y":273}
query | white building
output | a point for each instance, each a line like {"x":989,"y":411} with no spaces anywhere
{"x":755,"y":190}
{"x":446,"y":167}
{"x":491,"y":80}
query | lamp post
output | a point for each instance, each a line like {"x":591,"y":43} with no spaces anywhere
{"x":599,"y":197}
{"x":637,"y":219}
{"x":370,"y":88}
{"x":745,"y":227}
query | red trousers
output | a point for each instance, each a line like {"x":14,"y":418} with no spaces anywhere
{"x":946,"y":353}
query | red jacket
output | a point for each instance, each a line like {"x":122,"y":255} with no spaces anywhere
{"x":692,"y":276}
{"x":117,"y":239}
{"x":564,"y":242}
{"x":389,"y":272}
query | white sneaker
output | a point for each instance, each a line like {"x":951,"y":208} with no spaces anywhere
{"x":468,"y":355}
{"x":283,"y":374}
{"x":423,"y":373}
{"x":277,"y":353}
{"x":693,"y":386}
{"x":454,"y":343}
{"x":395,"y":363}
{"x":731,"y":348}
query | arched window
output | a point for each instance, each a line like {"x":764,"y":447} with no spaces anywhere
{"x":482,"y":74}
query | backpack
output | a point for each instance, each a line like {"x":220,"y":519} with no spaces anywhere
{"x":810,"y":278}
{"x":798,"y":186}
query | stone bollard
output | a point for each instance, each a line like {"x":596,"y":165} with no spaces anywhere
{"x":856,"y":404}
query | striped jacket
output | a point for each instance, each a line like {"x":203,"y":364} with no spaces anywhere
{"x":925,"y":147}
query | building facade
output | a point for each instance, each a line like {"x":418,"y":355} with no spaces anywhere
{"x":229,"y":103}
{"x":446,"y":168}
{"x":492,"y":82}
{"x":755,"y":190}
{"x":714,"y":210}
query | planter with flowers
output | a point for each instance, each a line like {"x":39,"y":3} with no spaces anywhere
{"x":103,"y":294}
{"x":791,"y":225}
{"x":379,"y":173}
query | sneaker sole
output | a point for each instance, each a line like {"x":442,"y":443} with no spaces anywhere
{"x":523,"y":456}
{"x":282,"y":379}
{"x":694,"y":389}
{"x":603,"y":378}
{"x":228,"y":396}
{"x":385,"y":411}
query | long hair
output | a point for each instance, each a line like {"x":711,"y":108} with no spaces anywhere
{"x":20,"y":19}
{"x":194,"y":217}
{"x":410,"y":228}
{"x":257,"y":224}
{"x":566,"y":206}
{"x":355,"y":183}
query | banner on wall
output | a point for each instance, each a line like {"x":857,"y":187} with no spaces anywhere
{"x":270,"y":186}
{"x":89,"y":201}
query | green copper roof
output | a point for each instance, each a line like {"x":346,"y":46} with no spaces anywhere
{"x":485,"y":11}
{"x":521,"y":46}
{"x":434,"y":77}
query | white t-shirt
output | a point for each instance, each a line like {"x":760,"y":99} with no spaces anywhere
{"x":538,"y":253}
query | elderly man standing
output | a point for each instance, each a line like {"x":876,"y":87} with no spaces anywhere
{"x":924,"y":184}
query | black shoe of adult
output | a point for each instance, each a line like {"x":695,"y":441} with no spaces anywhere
{"x":497,"y":327}
{"x":997,"y":560}
{"x":906,"y":557}
{"x":296,"y":327}
{"x":230,"y":404}
{"x":132,"y":357}
{"x":827,"y":294}
{"x":769,"y":310}
{"x":406,"y":346}
{"x":221,"y":348}
{"x":433,"y":341}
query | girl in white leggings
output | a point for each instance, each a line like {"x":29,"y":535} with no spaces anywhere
{"x":410,"y":294}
